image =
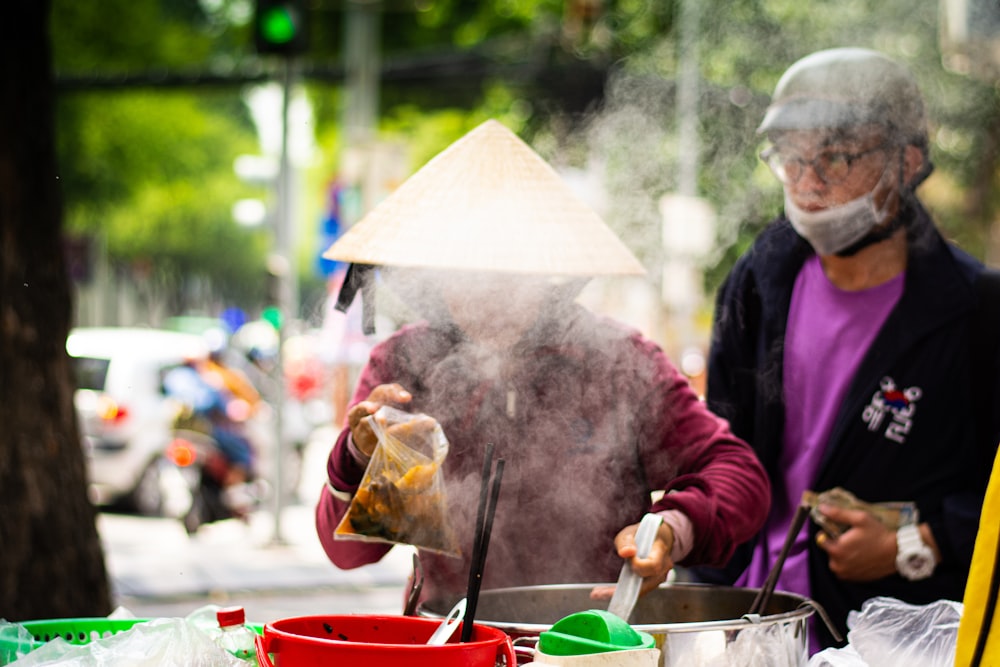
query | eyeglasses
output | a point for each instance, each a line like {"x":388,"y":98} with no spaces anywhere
{"x":831,"y":167}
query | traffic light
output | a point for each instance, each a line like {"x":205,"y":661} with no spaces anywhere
{"x":280,"y":27}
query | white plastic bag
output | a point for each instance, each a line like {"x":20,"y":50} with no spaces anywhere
{"x":752,"y":646}
{"x":890,"y":633}
{"x":15,"y":641}
{"x":838,"y":657}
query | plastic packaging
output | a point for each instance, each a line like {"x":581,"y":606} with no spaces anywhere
{"x":401,"y":499}
{"x":891,"y":633}
{"x":160,"y":642}
{"x":15,"y":642}
{"x":19,"y":639}
{"x":234,"y":636}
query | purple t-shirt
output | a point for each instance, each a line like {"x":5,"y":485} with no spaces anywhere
{"x":829,"y":332}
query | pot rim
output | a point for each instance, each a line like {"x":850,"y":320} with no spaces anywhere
{"x":804,"y":608}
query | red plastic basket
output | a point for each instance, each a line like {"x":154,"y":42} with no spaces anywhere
{"x":376,"y":641}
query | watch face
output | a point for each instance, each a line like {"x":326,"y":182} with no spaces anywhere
{"x":916,"y":565}
{"x":914,"y":559}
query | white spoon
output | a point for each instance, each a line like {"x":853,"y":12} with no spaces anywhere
{"x":448,"y":625}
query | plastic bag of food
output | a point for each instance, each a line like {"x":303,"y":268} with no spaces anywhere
{"x":401,"y":499}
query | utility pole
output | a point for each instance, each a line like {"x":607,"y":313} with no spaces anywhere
{"x":287,"y":281}
{"x":688,"y":221}
{"x":362,"y":73}
{"x":280,"y":30}
{"x":687,"y":99}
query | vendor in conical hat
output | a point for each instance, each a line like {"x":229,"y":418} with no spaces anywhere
{"x":490,"y":246}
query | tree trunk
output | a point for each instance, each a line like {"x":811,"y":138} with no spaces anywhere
{"x":51,"y":562}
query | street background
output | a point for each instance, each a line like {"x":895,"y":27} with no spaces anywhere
{"x":157,"y":570}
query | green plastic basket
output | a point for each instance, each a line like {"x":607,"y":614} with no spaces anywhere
{"x":74,"y":630}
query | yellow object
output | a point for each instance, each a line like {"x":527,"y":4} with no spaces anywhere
{"x":978,"y":609}
{"x":233,"y":381}
{"x":418,"y":478}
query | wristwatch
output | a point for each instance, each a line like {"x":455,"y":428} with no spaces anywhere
{"x":914,"y":559}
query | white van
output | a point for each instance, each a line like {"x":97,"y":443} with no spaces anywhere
{"x":124,"y":413}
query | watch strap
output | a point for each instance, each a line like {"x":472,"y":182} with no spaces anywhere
{"x":908,"y":538}
{"x":914,"y":559}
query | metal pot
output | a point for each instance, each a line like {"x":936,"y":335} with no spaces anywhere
{"x":693,"y":624}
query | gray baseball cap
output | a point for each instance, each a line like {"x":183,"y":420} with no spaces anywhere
{"x":848,"y":87}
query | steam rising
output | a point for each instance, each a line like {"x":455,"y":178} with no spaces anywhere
{"x":563,"y":396}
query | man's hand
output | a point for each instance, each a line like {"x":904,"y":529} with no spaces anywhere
{"x":361,"y":432}
{"x":866,"y":551}
{"x":653,"y":569}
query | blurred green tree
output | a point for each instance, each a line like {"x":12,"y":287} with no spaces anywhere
{"x":596,"y":80}
{"x":580,"y":79}
{"x":149,"y":170}
{"x":152,"y":173}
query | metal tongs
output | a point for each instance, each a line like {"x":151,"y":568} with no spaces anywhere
{"x":759,"y":603}
{"x":418,"y":584}
{"x":763,"y":597}
{"x":627,"y":590}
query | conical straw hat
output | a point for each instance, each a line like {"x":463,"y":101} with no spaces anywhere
{"x":487,"y":203}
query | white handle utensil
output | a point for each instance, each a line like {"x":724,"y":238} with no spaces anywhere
{"x":629,"y":583}
{"x":448,"y":625}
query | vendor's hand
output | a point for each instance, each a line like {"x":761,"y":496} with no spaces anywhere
{"x":653,"y":569}
{"x":361,"y":431}
{"x":866,"y":551}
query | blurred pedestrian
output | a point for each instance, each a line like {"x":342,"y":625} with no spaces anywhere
{"x":848,"y":347}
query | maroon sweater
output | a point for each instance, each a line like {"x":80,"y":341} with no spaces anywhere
{"x":590,"y":418}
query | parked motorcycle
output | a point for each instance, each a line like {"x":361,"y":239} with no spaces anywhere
{"x":206,"y":469}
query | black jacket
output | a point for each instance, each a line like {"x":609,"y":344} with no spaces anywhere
{"x":937,"y":453}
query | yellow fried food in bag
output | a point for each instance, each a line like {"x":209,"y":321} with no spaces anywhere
{"x":401,"y":498}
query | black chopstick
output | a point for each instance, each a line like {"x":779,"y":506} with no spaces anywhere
{"x":481,"y":543}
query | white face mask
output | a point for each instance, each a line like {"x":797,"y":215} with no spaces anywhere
{"x":832,"y":229}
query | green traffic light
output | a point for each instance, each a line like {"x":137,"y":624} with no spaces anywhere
{"x":272,"y":315}
{"x":277,"y":25}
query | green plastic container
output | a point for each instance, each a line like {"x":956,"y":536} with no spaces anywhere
{"x":593,"y":631}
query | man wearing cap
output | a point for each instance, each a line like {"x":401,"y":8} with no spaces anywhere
{"x":489,"y":247}
{"x":846,"y":348}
